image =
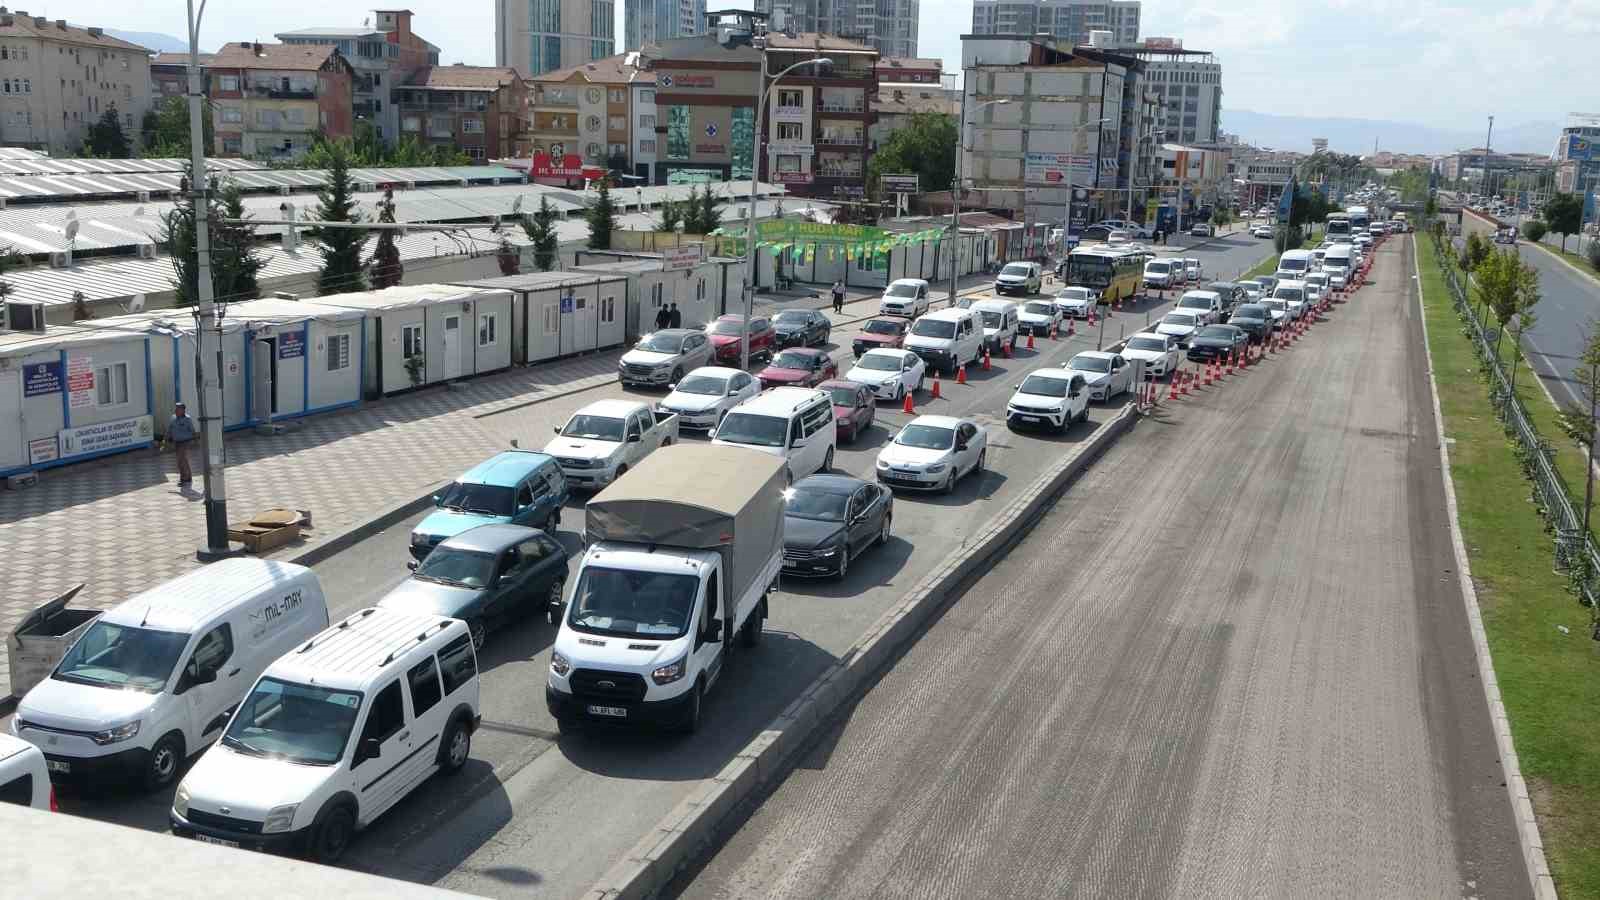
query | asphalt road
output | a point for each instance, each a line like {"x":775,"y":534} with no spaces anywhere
{"x":537,"y":814}
{"x":1569,"y":304}
{"x":1233,"y":661}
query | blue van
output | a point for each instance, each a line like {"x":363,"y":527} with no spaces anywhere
{"x":522,"y":487}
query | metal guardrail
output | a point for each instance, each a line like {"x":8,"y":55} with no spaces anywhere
{"x":1576,"y":552}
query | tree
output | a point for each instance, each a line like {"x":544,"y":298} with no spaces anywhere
{"x":1474,"y":252}
{"x":386,"y":266}
{"x":541,"y":230}
{"x":926,"y":145}
{"x":340,"y":247}
{"x":164,"y":130}
{"x":602,"y":218}
{"x":1580,"y":421}
{"x":671,"y":216}
{"x":1510,"y":289}
{"x":710,"y":215}
{"x":234,"y":263}
{"x":1535,"y":230}
{"x":1564,"y":214}
{"x":691,"y":212}
{"x":106,"y":139}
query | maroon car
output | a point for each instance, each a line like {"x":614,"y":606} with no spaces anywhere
{"x":800,"y":366}
{"x":879,"y":334}
{"x":854,"y":407}
{"x":726,"y":331}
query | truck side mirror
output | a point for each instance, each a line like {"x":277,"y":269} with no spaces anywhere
{"x":634,"y":438}
{"x":556,"y":428}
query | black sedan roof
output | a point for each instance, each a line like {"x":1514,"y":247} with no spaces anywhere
{"x":830,"y":484}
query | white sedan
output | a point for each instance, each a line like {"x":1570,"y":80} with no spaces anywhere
{"x":932,"y":453}
{"x":702,"y":397}
{"x":1179,"y":325}
{"x":1106,"y":374}
{"x":1038,"y":317}
{"x":890,"y":373}
{"x":1075,"y":302}
{"x":1158,"y":351}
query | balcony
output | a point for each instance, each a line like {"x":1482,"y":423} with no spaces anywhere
{"x":280,"y":93}
{"x":837,"y":139}
{"x":843,"y":107}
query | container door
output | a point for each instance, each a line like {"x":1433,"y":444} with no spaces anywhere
{"x":544,"y":328}
{"x":585,"y":319}
{"x":12,"y":434}
{"x":263,"y":393}
{"x":452,"y":347}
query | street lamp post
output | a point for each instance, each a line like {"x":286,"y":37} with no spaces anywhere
{"x":955,"y":185}
{"x":763,"y":91}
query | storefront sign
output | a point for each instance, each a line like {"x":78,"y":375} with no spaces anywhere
{"x":711,"y":149}
{"x":106,"y":436}
{"x":792,"y":114}
{"x":675,"y":258}
{"x":43,"y":450}
{"x":899,"y":184}
{"x":795,"y":230}
{"x":668,"y":81}
{"x":292,"y":344}
{"x":1056,"y":168}
{"x":792,"y":177}
{"x":41,"y":378}
{"x":569,"y":165}
{"x":80,"y":381}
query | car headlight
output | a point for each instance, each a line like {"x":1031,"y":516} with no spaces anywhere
{"x":935,"y":468}
{"x":622,"y":366}
{"x":279,"y":818}
{"x":117,"y":734}
{"x":828,"y":553}
{"x":672,"y":671}
{"x":882,"y":464}
{"x":559,"y":664}
{"x":662,"y":367}
{"x":180,"y":801}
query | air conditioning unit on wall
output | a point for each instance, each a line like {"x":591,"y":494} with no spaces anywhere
{"x":146,"y":251}
{"x":143,"y":197}
{"x":60,"y":259}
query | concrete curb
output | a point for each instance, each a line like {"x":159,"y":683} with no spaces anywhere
{"x":691,"y":827}
{"x":1544,"y":886}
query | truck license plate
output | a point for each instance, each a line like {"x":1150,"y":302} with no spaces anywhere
{"x":218,"y":841}
{"x":615,"y":712}
{"x":56,"y":765}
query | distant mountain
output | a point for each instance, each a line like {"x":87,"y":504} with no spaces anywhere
{"x":160,"y":43}
{"x":1357,"y":135}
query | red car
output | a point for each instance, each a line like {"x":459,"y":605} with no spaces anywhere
{"x":879,"y":334}
{"x":799,"y":366}
{"x":726,"y":331}
{"x":855,"y":407}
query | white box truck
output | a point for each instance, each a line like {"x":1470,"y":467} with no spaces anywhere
{"x":684,"y":551}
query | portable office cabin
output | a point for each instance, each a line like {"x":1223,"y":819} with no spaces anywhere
{"x":456,"y":331}
{"x":699,"y":289}
{"x":564,"y":312}
{"x":281,"y":359}
{"x":75,"y":392}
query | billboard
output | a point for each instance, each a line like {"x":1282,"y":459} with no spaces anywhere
{"x":1058,"y":168}
{"x":898,"y":184}
{"x":568,"y":165}
{"x":1582,"y":149}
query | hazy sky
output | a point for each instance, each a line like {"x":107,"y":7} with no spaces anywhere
{"x":1426,"y":61}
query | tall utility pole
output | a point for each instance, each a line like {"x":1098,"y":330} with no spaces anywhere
{"x":1488,"y":140}
{"x":208,"y":328}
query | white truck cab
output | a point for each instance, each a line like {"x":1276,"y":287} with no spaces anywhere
{"x":334,"y":733}
{"x":685,"y":551}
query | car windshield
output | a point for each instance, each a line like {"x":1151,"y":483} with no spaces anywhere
{"x":1073,"y":293}
{"x":1292,"y":265}
{"x":462,"y":568}
{"x":629,"y":603}
{"x":597,"y":428}
{"x":1045,"y":385}
{"x":1144,"y":343}
{"x":990,"y":319}
{"x":901,"y":290}
{"x":1018,"y":269}
{"x":662,"y":343}
{"x":934,"y":328}
{"x":299,"y":723}
{"x":879,"y":326}
{"x":792,"y":361}
{"x":728,"y":326}
{"x":1195,"y":303}
{"x":485,"y":499}
{"x":1286,"y":294}
{"x":1250,"y":312}
{"x":926,"y":437}
{"x":1216,"y":331}
{"x":1177,"y":319}
{"x":792,"y":317}
{"x":122,"y":657}
{"x":1042,"y":309}
{"x":1083,"y":362}
{"x":879,"y":363}
{"x":844,"y":396}
{"x":710,"y":385}
{"x":1276,"y":304}
{"x":823,"y":506}
{"x":760,"y":431}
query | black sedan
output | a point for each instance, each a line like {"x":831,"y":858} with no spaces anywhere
{"x":1253,"y":319}
{"x":1217,"y":342}
{"x":829,"y":520}
{"x":486,"y":576}
{"x":801,"y":328}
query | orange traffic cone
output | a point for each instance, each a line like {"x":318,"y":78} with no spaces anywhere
{"x":1055,"y":330}
{"x":1070,"y":329}
{"x":1030,"y":340}
{"x":935,"y":387}
{"x":961,"y":372}
{"x":908,"y":407}
{"x":1005,"y":350}
{"x":985,"y":362}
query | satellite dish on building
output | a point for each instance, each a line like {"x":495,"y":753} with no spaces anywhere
{"x":72,"y":228}
{"x":516,"y":205}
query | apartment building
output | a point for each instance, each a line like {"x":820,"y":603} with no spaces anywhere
{"x":382,"y":57}
{"x":584,"y":111}
{"x":56,"y":80}
{"x":898,"y":70}
{"x":1577,"y":156}
{"x":1068,"y":21}
{"x":1189,"y":85}
{"x":893,"y":105}
{"x":653,"y":21}
{"x":888,"y":26}
{"x":269,"y":100}
{"x":539,"y":36}
{"x":169,"y":74}
{"x":484,"y":110}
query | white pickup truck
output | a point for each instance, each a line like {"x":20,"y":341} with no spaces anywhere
{"x":607,"y":438}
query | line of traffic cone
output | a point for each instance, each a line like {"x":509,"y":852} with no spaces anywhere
{"x":936,"y":393}
{"x":961,"y":370}
{"x":1030,"y":339}
{"x":908,"y":406}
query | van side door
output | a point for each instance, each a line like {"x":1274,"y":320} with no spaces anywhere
{"x":381,"y":753}
{"x":210,"y":686}
{"x":428,"y":716}
{"x":708,"y":653}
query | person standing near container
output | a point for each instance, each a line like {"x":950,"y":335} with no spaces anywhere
{"x":838,"y":296}
{"x":180,"y":433}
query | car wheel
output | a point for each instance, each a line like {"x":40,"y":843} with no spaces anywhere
{"x":457,"y":747}
{"x":899,"y":393}
{"x":691,"y":715}
{"x":921,"y":379}
{"x":161,"y":769}
{"x":788,"y":477}
{"x":844,"y":563}
{"x":621,"y":471}
{"x":827,"y":335}
{"x":479,"y":633}
{"x":949,"y":486}
{"x":983,"y":455}
{"x":677,"y":374}
{"x":883,"y":531}
{"x":332,"y":837}
{"x":827,"y":461}
{"x":1013,"y":344}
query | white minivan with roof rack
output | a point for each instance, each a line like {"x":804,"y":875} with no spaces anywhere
{"x":947,"y":339}
{"x":795,"y":424}
{"x":153,"y":680}
{"x":334,"y":733}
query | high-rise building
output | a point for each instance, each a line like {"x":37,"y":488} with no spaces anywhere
{"x":888,"y":26}
{"x":383,"y":56}
{"x":1188,"y":84}
{"x":539,"y":36}
{"x":1577,"y":154}
{"x":653,"y":21}
{"x":1068,"y":21}
{"x":51,"y":99}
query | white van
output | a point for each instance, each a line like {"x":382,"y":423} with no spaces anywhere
{"x":1293,"y":264}
{"x":1164,"y":273}
{"x":946,"y":339}
{"x":153,"y":680}
{"x":795,"y":424}
{"x":999,"y":319}
{"x":24,"y":780}
{"x":1337,"y":263}
{"x":334,"y":733}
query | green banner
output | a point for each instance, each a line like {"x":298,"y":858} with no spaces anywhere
{"x":795,"y":230}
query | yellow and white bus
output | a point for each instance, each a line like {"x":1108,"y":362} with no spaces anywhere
{"x":1113,"y":272}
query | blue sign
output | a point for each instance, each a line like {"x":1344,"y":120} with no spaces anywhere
{"x":292,"y":344}
{"x":1286,"y":201}
{"x":1589,"y":206}
{"x":566,"y":304}
{"x":41,"y":378}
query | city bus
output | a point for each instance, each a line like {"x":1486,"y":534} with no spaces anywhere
{"x":1338,"y":226}
{"x":1113,"y":272}
{"x":1359,"y":217}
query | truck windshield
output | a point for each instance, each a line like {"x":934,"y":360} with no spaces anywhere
{"x":597,"y":428}
{"x":633,"y":604}
{"x":300,"y":723}
{"x":745,"y":428}
{"x":485,"y":499}
{"x":122,"y":657}
{"x":1020,"y":270}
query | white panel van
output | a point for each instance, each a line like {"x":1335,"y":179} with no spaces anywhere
{"x":795,"y":424}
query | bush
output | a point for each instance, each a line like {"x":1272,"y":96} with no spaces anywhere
{"x":1535,"y":230}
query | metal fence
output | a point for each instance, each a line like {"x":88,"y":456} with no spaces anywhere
{"x":1576,"y":552}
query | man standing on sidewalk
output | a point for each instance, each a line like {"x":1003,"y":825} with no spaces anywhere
{"x":674,"y":318}
{"x":180,"y":433}
{"x":662,"y":318}
{"x":838,"y":296}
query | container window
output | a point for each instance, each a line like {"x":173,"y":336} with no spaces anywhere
{"x":111,"y":384}
{"x":487,"y":333}
{"x":338,"y":352}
